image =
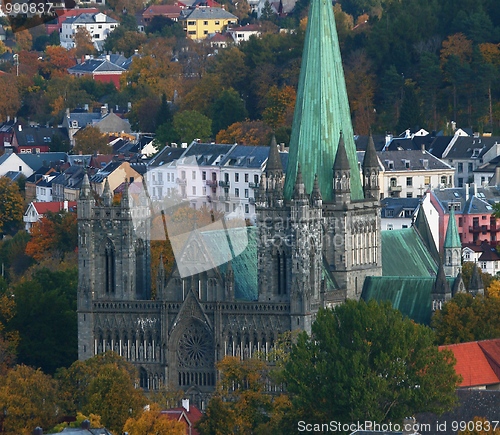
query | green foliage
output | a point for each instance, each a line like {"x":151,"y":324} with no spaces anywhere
{"x":45,"y":318}
{"x":467,"y":268}
{"x":12,"y":255}
{"x":467,"y":318}
{"x":367,"y":362}
{"x":226,"y":110}
{"x":191,"y":125}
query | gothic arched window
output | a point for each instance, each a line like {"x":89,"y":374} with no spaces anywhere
{"x":109,"y":266}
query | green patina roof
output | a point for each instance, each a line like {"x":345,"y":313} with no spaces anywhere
{"x":244,"y":265}
{"x":410,"y":295}
{"x":405,"y":254}
{"x":452,"y":239}
{"x":322,"y":109}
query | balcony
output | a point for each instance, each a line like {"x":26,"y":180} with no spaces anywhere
{"x":253,"y":185}
{"x":251,"y":200}
{"x":224,"y":198}
{"x":211,"y":183}
{"x":395,"y":188}
{"x":181,"y":181}
{"x":224,"y":183}
{"x":478,"y":229}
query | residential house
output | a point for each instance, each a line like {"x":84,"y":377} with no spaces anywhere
{"x":478,"y":363}
{"x":44,"y":187}
{"x":172,"y":12}
{"x":36,"y":211}
{"x":105,"y":68}
{"x":116,"y":173}
{"x":56,"y":24}
{"x":409,"y":173}
{"x":29,"y":163}
{"x":82,"y":430}
{"x":66,"y":186}
{"x":99,"y":26}
{"x":107,"y":122}
{"x":203,"y":21}
{"x":243,"y":33}
{"x":220,"y":40}
{"x":31,"y":140}
{"x":398,"y":213}
{"x":187,"y":414}
{"x":33,"y":180}
{"x":473,"y":211}
{"x":485,"y":255}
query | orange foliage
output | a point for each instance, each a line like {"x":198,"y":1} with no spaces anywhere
{"x":42,"y":236}
{"x":456,"y":45}
{"x":246,"y":133}
{"x":58,"y":60}
{"x":280,"y":106}
{"x":491,"y":53}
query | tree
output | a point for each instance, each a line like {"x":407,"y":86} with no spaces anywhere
{"x":280,"y":106}
{"x":30,"y":399}
{"x":467,"y":318}
{"x":246,"y":132}
{"x":45,"y":318}
{"x":11,"y":101}
{"x":478,"y":426}
{"x":227,"y":109}
{"x":8,"y":339}
{"x":467,"y":269}
{"x":11,"y":206}
{"x":493,"y":290}
{"x":83,"y":42}
{"x":102,"y":385}
{"x":90,"y":140}
{"x":57,"y":61}
{"x":192,"y":125}
{"x":24,"y":41}
{"x":152,"y":421}
{"x":365,"y":361}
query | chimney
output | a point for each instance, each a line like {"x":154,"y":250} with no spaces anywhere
{"x":466,"y":191}
{"x":475,"y":189}
{"x":65,"y":205}
{"x":20,"y":127}
{"x":282,"y":147}
{"x":104,"y":111}
{"x":8,"y":118}
{"x":497,"y":175}
{"x":108,"y":58}
{"x":185,"y":404}
{"x":422,"y":147}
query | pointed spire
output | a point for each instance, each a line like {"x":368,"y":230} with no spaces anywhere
{"x":458,"y":285}
{"x":125,"y":202}
{"x":298,"y":191}
{"x":261,"y":191}
{"x":370,"y":160}
{"x":274,"y":160}
{"x":452,"y":238}
{"x":341,"y":162}
{"x":476,"y":285}
{"x":85,"y":189}
{"x":107,"y":196}
{"x":441,"y":286}
{"x":316,"y":193}
{"x":321,"y":109}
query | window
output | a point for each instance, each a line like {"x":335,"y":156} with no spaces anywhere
{"x":470,"y":167}
{"x":193,"y":175}
{"x":407,"y":164}
{"x":237,"y":192}
{"x":203,"y":175}
{"x":96,"y":36}
{"x":183,"y":175}
{"x":389,"y":213}
{"x":390,"y":227}
{"x":236,"y":177}
{"x":191,"y":23}
{"x":409,"y":195}
{"x":205,"y":23}
{"x":227,"y":207}
{"x":217,"y":23}
{"x":427,"y":180}
{"x":194,"y":190}
{"x":460,"y":182}
{"x":483,"y":265}
{"x":467,"y":255}
{"x":404,"y":226}
{"x":460,"y":168}
{"x":409,"y":181}
{"x":256,"y":179}
{"x":394,"y":182}
{"x":443,"y":179}
{"x":226,"y":178}
{"x":205,"y":32}
{"x":246,"y":193}
{"x":204,"y":190}
{"x":460,"y":222}
{"x":246,"y":178}
{"x":247,"y":209}
{"x":192,"y":32}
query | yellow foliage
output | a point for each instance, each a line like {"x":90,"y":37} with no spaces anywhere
{"x":152,"y":421}
{"x":456,"y":45}
{"x":493,"y":290}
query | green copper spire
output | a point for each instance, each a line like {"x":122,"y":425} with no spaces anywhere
{"x":322,"y":109}
{"x":452,"y":239}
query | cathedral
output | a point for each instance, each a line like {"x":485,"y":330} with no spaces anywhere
{"x":317,"y":238}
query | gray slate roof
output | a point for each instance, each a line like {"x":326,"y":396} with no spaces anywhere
{"x":206,"y":13}
{"x":398,"y":206}
{"x":415,"y":157}
{"x":36,"y":161}
{"x":165,"y":156}
{"x":87,"y":19}
{"x":464,"y":147}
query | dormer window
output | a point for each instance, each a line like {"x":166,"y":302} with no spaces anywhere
{"x":475,"y":153}
{"x":407,"y":164}
{"x":390,"y":164}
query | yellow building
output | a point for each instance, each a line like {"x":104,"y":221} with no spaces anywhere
{"x":201,"y":22}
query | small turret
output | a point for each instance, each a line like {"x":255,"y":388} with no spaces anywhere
{"x":476,"y":285}
{"x":371,"y":170}
{"x":316,"y":199}
{"x":85,"y":192}
{"x":441,"y":291}
{"x":299,"y":188}
{"x":452,"y":247}
{"x":341,"y":174}
{"x":107,"y":196}
{"x":125,"y":201}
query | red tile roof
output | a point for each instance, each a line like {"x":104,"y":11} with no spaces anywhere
{"x":472,"y":364}
{"x":491,"y":349}
{"x":190,"y":417}
{"x":54,"y":207}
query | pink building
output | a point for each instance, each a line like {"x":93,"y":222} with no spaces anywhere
{"x":473,"y":212}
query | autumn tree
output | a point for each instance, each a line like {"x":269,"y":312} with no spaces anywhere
{"x":24,"y":41}
{"x":280,"y":106}
{"x":90,"y":140}
{"x":493,"y":291}
{"x":226,"y":110}
{"x":467,"y":318}
{"x":152,"y":421}
{"x":246,"y":133}
{"x":191,"y":125}
{"x":11,"y":206}
{"x":360,"y":347}
{"x":8,"y":339}
{"x":10,"y":103}
{"x":30,"y":398}
{"x":467,"y":270}
{"x":57,"y":61}
{"x":83,"y":42}
{"x":103,"y":385}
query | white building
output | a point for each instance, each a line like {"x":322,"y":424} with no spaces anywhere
{"x":99,"y":26}
{"x":44,"y":187}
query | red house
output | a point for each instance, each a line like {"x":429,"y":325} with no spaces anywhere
{"x":187,"y":414}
